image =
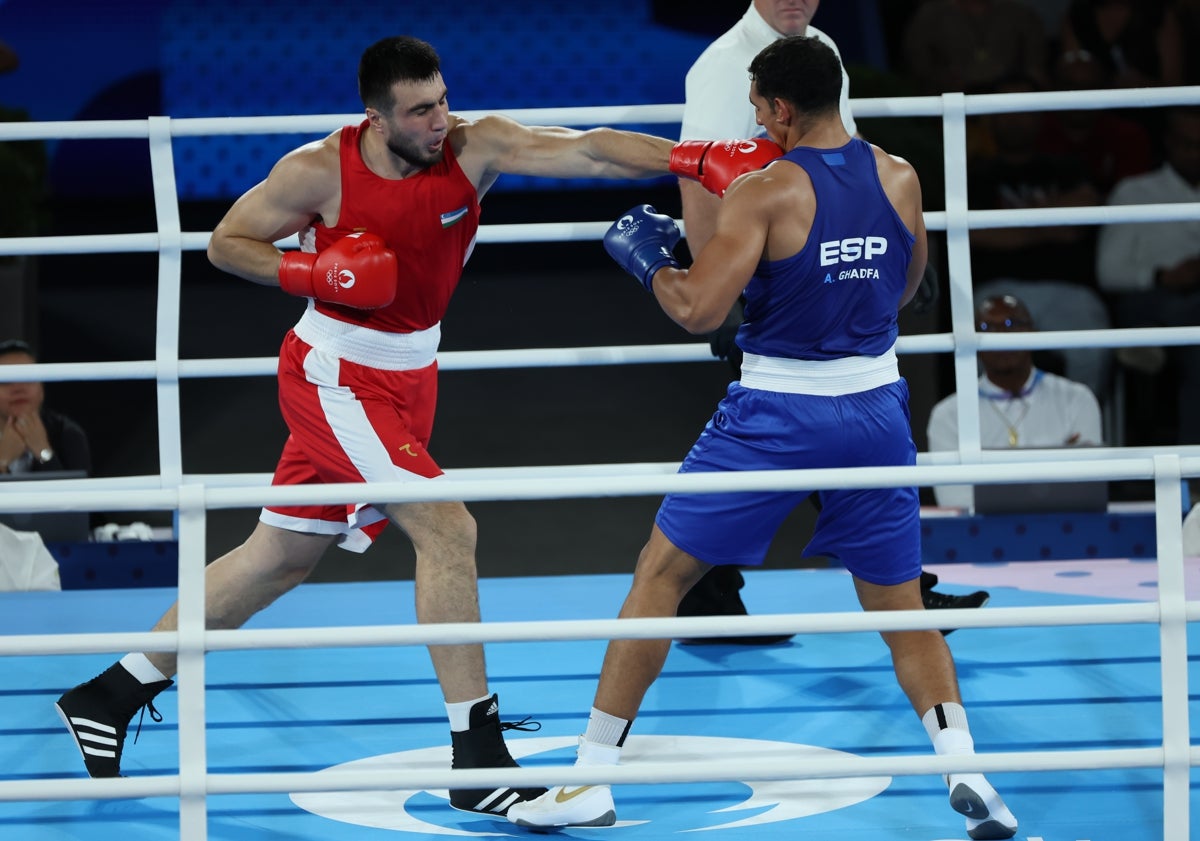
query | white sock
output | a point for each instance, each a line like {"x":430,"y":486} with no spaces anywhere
{"x":948,"y":715}
{"x":605,"y":729}
{"x":140,"y":667}
{"x":459,"y":713}
{"x":946,"y":725}
{"x":590,"y":753}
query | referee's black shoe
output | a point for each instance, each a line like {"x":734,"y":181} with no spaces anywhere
{"x":716,"y":594}
{"x":944,"y":601}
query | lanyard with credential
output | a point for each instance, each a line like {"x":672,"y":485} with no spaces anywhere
{"x":1013,"y":437}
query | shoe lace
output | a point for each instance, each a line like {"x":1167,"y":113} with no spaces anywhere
{"x":524,"y":725}
{"x":155,"y":716}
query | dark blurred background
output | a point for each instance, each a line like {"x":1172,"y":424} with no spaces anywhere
{"x":120,"y":59}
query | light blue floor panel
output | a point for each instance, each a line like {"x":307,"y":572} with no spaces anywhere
{"x":306,"y":711}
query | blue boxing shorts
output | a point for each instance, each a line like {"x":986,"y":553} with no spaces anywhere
{"x":875,"y":532}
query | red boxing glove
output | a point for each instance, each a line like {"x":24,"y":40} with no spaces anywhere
{"x":716,"y":163}
{"x":356,"y":271}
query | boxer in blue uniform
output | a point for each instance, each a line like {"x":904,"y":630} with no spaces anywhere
{"x":826,"y":243}
{"x":820,"y":387}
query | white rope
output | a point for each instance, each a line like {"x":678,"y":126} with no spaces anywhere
{"x":61,"y":491}
{"x":454,"y":633}
{"x":193,"y":496}
{"x":225,"y":491}
{"x":503,"y":484}
{"x":916,"y":106}
{"x":802,"y":766}
{"x":572,"y":357}
{"x":594,"y":231}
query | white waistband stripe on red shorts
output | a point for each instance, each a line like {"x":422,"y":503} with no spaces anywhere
{"x":364,"y":346}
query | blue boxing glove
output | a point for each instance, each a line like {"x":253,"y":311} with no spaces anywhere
{"x":641,"y":242}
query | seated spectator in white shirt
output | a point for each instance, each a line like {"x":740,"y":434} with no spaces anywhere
{"x":1020,"y":405}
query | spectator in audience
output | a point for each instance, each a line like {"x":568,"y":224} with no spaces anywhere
{"x":34,"y":437}
{"x":1050,"y":267}
{"x":1020,"y":405}
{"x":9,"y":60}
{"x":1051,"y":12}
{"x":1109,"y":145}
{"x":1138,"y":43}
{"x":1152,"y":269}
{"x":1020,"y":175}
{"x":963,"y":45}
{"x":1187,"y":13}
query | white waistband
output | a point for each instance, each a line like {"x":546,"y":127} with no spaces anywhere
{"x":827,"y":378}
{"x":364,"y":346}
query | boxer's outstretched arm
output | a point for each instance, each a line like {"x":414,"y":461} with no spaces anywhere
{"x":497,"y":144}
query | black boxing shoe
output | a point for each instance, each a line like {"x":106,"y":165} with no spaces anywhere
{"x":934,"y":600}
{"x":716,"y":594}
{"x":482,"y":746}
{"x":97,"y":714}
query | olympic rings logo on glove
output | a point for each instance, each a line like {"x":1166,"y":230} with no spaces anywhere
{"x":338,"y":278}
{"x":627,"y":226}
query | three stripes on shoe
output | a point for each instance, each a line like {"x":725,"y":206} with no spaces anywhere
{"x":93,"y":738}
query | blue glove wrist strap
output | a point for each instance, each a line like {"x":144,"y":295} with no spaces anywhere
{"x":652,"y":269}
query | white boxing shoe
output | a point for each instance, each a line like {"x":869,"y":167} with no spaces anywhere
{"x":566,"y":806}
{"x":988,"y":819}
{"x":572,"y":805}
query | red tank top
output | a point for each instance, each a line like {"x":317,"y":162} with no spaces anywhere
{"x":429,"y":219}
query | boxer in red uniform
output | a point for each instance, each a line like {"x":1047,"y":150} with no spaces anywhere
{"x":387,"y":213}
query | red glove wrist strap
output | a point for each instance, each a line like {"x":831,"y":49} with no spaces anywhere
{"x":295,"y":273}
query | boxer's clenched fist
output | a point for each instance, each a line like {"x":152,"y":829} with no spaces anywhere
{"x":641,"y":242}
{"x":358,"y":271}
{"x":717,"y":163}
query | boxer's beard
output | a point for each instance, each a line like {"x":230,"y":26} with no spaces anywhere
{"x":410,"y":153}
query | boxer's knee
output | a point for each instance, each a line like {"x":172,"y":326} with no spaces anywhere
{"x":436,"y":527}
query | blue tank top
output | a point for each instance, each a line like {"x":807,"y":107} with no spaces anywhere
{"x":838,"y":296}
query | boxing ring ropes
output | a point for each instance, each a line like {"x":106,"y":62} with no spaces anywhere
{"x":192,"y":495}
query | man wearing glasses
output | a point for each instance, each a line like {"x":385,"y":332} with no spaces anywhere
{"x":1020,"y":405}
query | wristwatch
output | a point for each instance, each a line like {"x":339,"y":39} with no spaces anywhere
{"x":45,"y":455}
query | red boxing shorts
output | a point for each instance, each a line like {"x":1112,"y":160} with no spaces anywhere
{"x":349,"y":422}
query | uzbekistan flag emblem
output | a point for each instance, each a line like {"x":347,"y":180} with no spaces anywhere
{"x":453,"y":216}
